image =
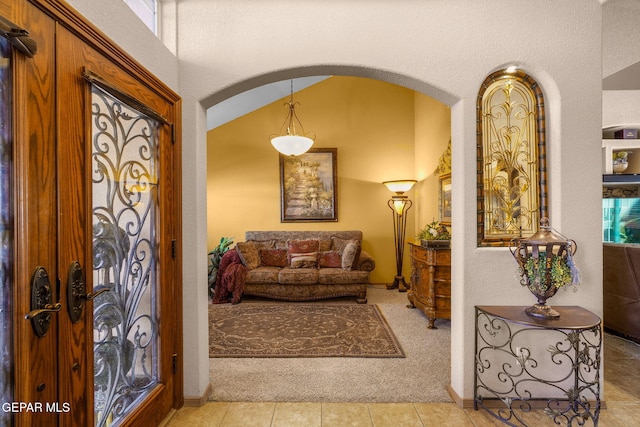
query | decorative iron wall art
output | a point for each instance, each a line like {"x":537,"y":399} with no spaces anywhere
{"x":512,"y":189}
{"x":308,"y":186}
{"x":125,"y":209}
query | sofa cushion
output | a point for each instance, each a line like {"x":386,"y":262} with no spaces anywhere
{"x":298,"y":276}
{"x":263,"y":275}
{"x":330,"y":259}
{"x":332,"y":276}
{"x":273,"y":257}
{"x":350,"y":255}
{"x":248,"y":254}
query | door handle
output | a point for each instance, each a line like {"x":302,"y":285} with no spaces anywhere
{"x":77,"y":292}
{"x":48,"y":308}
{"x":41,"y":302}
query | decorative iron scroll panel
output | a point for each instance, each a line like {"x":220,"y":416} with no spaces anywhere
{"x":514,"y":367}
{"x":5,"y":233}
{"x":511,"y":159}
{"x":125,"y":218}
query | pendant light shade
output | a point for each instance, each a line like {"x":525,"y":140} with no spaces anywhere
{"x":291,"y":141}
{"x":292,"y":145}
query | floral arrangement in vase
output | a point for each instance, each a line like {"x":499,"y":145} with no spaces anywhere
{"x":558,"y":269}
{"x":434,"y":234}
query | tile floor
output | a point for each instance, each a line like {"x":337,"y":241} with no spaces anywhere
{"x":621,"y":393}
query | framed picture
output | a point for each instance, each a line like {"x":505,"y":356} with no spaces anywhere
{"x":308,"y":186}
{"x":444,"y":199}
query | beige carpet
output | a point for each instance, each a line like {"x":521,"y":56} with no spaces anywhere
{"x":421,"y":376}
{"x":300,"y":330}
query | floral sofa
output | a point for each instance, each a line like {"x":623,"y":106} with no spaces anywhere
{"x":305,"y":265}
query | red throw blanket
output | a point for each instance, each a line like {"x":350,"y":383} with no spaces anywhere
{"x":230,"y":279}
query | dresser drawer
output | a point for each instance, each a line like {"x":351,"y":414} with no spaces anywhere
{"x":439,"y":257}
{"x":443,"y":288}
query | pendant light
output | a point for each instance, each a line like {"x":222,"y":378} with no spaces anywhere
{"x":289,"y":141}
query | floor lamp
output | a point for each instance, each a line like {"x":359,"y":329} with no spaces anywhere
{"x":399,"y":205}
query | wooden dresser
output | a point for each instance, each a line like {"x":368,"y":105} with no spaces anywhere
{"x":431,"y":282}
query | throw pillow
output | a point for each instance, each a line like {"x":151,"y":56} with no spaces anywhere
{"x":273,"y":257}
{"x":248,"y":254}
{"x":303,"y":253}
{"x":330,"y":259}
{"x":350,"y":255}
{"x":338,"y":244}
{"x":324,"y":245}
{"x":304,"y":260}
{"x":302,"y":246}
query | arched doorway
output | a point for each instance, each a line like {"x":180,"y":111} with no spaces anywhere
{"x":393,"y":136}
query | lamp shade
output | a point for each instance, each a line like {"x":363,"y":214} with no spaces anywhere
{"x":400,"y":186}
{"x":292,"y":145}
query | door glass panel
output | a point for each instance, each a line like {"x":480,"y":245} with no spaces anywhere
{"x":5,"y":232}
{"x":125,"y":218}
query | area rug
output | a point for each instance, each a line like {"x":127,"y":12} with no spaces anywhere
{"x":300,"y":330}
{"x":421,"y":376}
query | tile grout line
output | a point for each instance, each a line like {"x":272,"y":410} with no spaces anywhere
{"x":273,"y":414}
{"x":413,"y":405}
{"x":370,"y":415}
{"x":225,"y":415}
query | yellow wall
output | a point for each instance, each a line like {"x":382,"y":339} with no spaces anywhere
{"x":432,"y":131}
{"x":372,"y":124}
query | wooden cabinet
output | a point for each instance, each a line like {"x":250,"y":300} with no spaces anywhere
{"x":431,"y":282}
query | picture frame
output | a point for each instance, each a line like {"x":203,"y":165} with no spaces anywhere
{"x":308,"y":186}
{"x":444,"y":199}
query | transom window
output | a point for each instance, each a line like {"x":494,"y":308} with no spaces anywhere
{"x":147,"y":10}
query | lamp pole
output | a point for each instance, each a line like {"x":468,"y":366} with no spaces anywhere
{"x":399,"y":205}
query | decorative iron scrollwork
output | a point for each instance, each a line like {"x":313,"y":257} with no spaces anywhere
{"x":125,"y":321}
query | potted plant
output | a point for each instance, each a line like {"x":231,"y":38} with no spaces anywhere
{"x":214,"y":261}
{"x":620,"y":161}
{"x":434,"y":234}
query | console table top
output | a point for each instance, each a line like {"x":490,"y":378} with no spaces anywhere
{"x":571,"y":317}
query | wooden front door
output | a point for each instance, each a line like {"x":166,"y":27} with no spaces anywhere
{"x":95,"y":199}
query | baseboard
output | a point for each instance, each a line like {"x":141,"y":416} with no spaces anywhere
{"x":459,"y":401}
{"x":195,"y":401}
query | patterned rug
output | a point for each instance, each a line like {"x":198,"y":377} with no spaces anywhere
{"x":300,"y":330}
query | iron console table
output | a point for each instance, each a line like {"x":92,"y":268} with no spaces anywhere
{"x":524,"y":363}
